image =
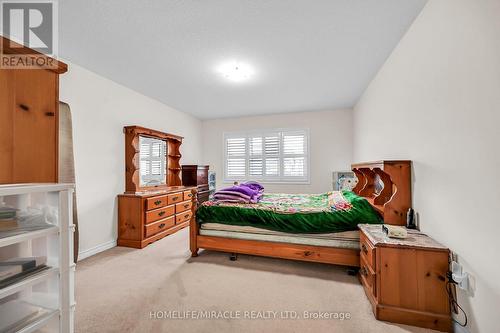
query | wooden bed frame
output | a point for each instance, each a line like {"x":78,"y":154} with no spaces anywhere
{"x":385,"y":184}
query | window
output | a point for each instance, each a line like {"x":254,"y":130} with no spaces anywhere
{"x":267,"y":156}
{"x":152,"y":161}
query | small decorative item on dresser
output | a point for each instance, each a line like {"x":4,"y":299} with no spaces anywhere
{"x":394,"y":231}
{"x":405,"y":279}
{"x":343,"y":180}
{"x":197,"y":175}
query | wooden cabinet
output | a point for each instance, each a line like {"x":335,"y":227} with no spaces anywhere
{"x":35,"y":126}
{"x":146,"y":217}
{"x":405,"y":280}
{"x":197,"y":175}
{"x":29,"y":123}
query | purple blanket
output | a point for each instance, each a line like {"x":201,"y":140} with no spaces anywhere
{"x":249,"y":192}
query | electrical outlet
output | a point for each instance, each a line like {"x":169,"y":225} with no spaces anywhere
{"x":464,"y":284}
{"x":464,"y":280}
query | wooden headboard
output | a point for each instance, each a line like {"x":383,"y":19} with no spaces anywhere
{"x":387,"y":186}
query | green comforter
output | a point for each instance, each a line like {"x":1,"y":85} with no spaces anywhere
{"x":294,"y":213}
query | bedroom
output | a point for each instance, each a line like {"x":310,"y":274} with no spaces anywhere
{"x":284,"y":93}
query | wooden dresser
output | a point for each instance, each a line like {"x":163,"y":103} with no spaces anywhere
{"x":405,"y":279}
{"x":144,"y":218}
{"x":197,"y":175}
{"x":154,"y":204}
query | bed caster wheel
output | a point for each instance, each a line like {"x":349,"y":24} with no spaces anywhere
{"x":353,"y":271}
{"x":233,"y":257}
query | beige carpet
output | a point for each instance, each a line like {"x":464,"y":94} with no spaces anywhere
{"x":117,"y":290}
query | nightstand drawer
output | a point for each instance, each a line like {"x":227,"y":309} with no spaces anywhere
{"x":367,"y":250}
{"x":367,"y":275}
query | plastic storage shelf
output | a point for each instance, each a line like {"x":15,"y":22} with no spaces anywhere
{"x":42,"y":227}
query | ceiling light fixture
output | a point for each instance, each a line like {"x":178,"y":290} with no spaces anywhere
{"x":236,"y":71}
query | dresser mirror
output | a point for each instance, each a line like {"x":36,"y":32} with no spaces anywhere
{"x":153,"y":161}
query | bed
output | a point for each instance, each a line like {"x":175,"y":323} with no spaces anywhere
{"x":309,"y":227}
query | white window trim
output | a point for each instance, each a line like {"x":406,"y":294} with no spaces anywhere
{"x":283,"y":180}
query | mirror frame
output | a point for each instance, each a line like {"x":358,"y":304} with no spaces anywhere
{"x":132,"y":158}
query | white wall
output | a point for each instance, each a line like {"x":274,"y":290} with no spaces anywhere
{"x":330,"y":144}
{"x":436,"y":101}
{"x":100,"y":108}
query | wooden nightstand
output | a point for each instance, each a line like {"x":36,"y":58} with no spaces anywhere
{"x":405,"y":279}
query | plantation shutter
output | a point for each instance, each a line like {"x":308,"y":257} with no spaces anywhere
{"x":236,"y":154}
{"x":272,"y":156}
{"x":294,"y":154}
{"x":255,"y":161}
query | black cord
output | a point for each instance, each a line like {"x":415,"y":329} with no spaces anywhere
{"x":454,"y":303}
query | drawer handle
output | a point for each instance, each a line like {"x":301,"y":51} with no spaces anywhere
{"x":157,"y":202}
{"x":161,"y":225}
{"x":175,"y":198}
{"x":161,"y":213}
{"x":186,"y":216}
{"x":363,"y":247}
{"x":186,"y":205}
{"x":190,"y":195}
{"x":50,"y":114}
{"x":24,"y":107}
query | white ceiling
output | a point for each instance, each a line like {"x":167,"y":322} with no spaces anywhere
{"x":307,"y":55}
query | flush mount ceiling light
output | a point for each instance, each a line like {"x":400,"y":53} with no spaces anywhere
{"x":235,"y":71}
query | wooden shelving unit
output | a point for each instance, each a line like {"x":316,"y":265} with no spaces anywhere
{"x":49,"y":293}
{"x":174,"y":167}
{"x":132,"y":151}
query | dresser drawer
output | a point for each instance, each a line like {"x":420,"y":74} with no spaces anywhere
{"x":367,"y":251}
{"x":156,"y":202}
{"x":160,"y":213}
{"x":155,"y":227}
{"x":188,"y":195}
{"x":183,"y":206}
{"x":183,"y":217}
{"x":203,"y":196}
{"x":202,"y":188}
{"x":367,"y":275}
{"x":175,"y":198}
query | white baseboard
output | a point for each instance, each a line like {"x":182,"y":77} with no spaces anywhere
{"x":96,"y":249}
